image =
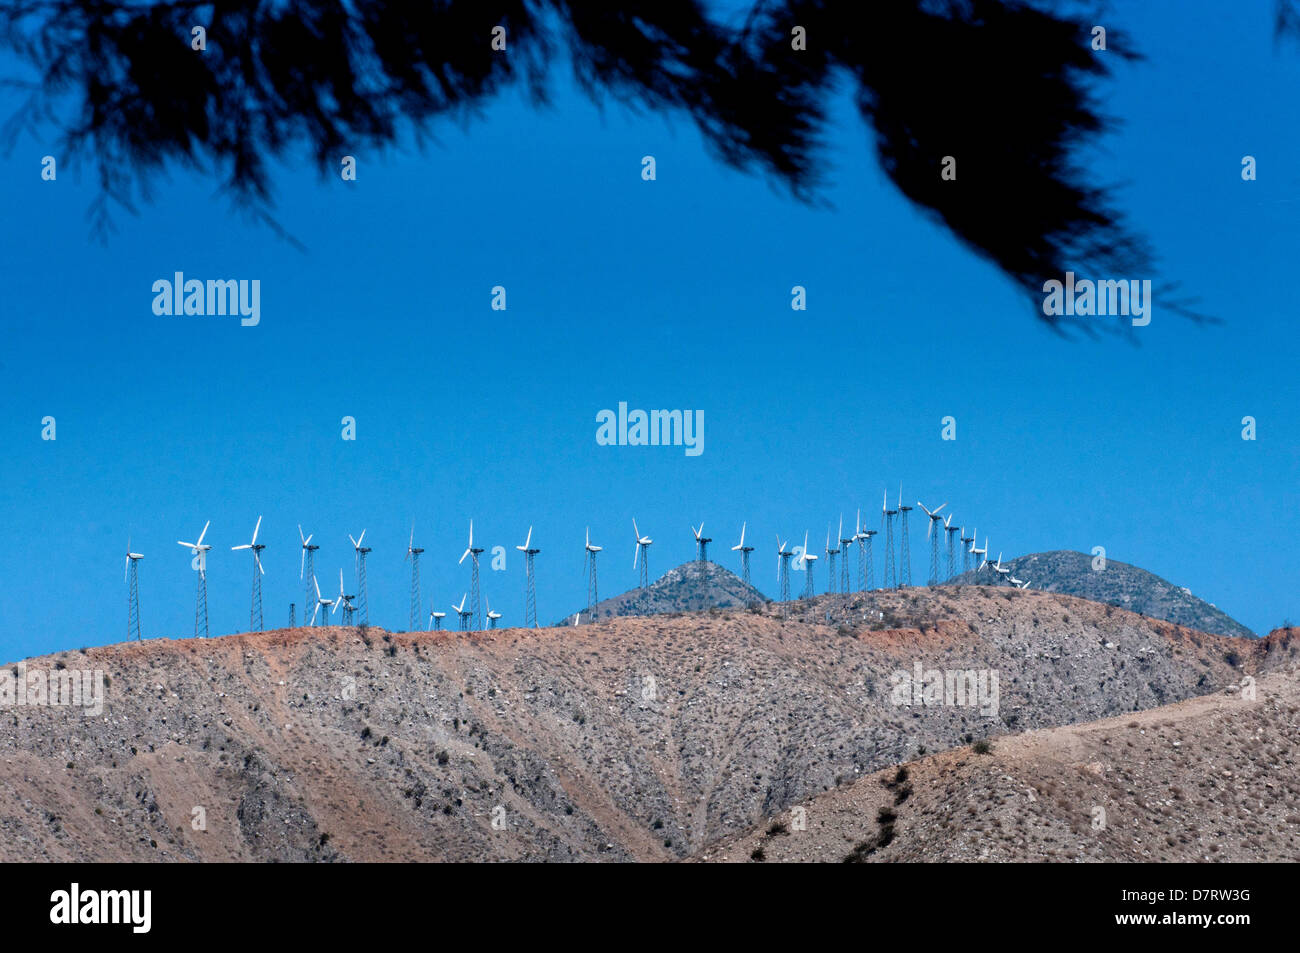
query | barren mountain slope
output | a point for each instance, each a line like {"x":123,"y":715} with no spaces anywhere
{"x":639,"y":738}
{"x":1212,"y":778}
{"x":1118,"y":584}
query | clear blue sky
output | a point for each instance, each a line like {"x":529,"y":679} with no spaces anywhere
{"x":665,"y":294}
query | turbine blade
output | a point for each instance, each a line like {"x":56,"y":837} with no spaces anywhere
{"x":256,"y":528}
{"x":205,"y":530}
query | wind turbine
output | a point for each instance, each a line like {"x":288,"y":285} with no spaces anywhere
{"x":809,"y":592}
{"x":783,"y":557}
{"x":643,"y":554}
{"x":321,"y":602}
{"x":701,"y":544}
{"x":904,"y":546}
{"x":981,"y":553}
{"x":953,"y":532}
{"x":346,"y":602}
{"x":933,"y":537}
{"x":844,"y":563}
{"x":589,"y":556}
{"x":255,"y":614}
{"x":830,"y":558}
{"x":435,"y":620}
{"x":1000,"y":569}
{"x":530,"y":584}
{"x":966,"y":550}
{"x":866,"y":575}
{"x":744,"y":554}
{"x":131,"y":575}
{"x":413,"y":554}
{"x":492,"y":616}
{"x":463,"y":613}
{"x":200,"y":550}
{"x":361,"y":551}
{"x":306,"y":565}
{"x":473,"y":552}
{"x":891,"y":568}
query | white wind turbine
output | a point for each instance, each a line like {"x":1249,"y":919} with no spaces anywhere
{"x":473,"y":551}
{"x":783,"y":557}
{"x":131,"y":576}
{"x":326,"y":604}
{"x":463,"y":612}
{"x":744,"y":554}
{"x":933,"y":537}
{"x":200,"y":549}
{"x":492,"y":615}
{"x":589,"y":557}
{"x":701,"y":544}
{"x":809,"y":590}
{"x":643,"y":554}
{"x":255,"y":613}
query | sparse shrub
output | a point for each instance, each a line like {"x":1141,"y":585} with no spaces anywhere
{"x":981,"y":747}
{"x":758,"y":855}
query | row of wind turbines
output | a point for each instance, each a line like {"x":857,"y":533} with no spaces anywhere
{"x":897,"y":569}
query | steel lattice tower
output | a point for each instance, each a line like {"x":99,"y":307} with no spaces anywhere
{"x":593,"y":595}
{"x":530,"y":590}
{"x":133,"y":603}
{"x":844,"y":564}
{"x":870,"y":581}
{"x":363,"y":604}
{"x":953,"y":533}
{"x":934,"y":555}
{"x":201,"y":607}
{"x":965,"y":552}
{"x":904,"y":550}
{"x":830,"y":569}
{"x":255,"y":613}
{"x":645,"y":568}
{"x":293,"y":616}
{"x":744,"y":564}
{"x":474,"y":604}
{"x":891,"y":568}
{"x":309,"y":554}
{"x":809,"y":583}
{"x":783,"y":573}
{"x":414,"y":553}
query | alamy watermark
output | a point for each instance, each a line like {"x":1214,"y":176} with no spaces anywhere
{"x":654,"y":428}
{"x":934,"y":687}
{"x":61,"y":688}
{"x":214,"y":297}
{"x":1084,"y":297}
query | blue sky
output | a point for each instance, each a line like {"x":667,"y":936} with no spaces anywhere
{"x":666,"y":294}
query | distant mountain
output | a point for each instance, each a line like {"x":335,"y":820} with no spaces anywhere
{"x":690,"y":587}
{"x":1119,"y":584}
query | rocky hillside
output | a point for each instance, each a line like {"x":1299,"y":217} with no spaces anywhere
{"x":691,"y":587}
{"x":1119,"y":584}
{"x":1215,"y":778}
{"x":631,"y":739}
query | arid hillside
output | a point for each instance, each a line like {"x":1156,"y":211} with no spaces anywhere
{"x":1214,"y":778}
{"x":636,"y":738}
{"x":1118,"y":584}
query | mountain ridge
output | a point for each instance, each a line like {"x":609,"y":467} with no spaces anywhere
{"x":1120,"y":584}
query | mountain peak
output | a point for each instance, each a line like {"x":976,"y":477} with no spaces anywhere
{"x":1118,"y":584}
{"x":690,"y":587}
